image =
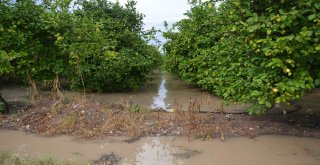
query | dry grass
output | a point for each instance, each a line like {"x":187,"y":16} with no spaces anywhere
{"x":87,"y":119}
{"x":69,"y":121}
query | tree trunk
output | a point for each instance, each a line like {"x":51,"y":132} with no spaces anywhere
{"x":33,"y":86}
{"x":56,"y":90}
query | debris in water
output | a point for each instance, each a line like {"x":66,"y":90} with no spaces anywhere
{"x":111,"y":159}
{"x":187,"y":154}
{"x":132,"y":140}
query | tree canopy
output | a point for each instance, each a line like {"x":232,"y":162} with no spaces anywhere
{"x":262,"y":52}
{"x":94,"y":44}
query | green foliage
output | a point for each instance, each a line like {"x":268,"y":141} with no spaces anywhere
{"x":99,"y":45}
{"x":263,"y":52}
{"x":27,"y":37}
{"x":106,"y":47}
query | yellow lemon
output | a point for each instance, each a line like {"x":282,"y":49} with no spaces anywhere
{"x":275,"y":90}
{"x":288,"y":70}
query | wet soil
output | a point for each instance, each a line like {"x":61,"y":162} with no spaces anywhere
{"x":90,"y":119}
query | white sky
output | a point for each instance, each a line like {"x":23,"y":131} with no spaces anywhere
{"x":157,"y":11}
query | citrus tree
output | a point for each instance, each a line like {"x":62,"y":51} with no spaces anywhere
{"x":106,"y":47}
{"x":93,"y":44}
{"x":262,"y":52}
{"x":28,"y":36}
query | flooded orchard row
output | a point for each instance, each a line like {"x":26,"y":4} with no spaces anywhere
{"x":266,"y":150}
{"x":164,"y":92}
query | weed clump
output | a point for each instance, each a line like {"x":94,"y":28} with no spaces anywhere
{"x":7,"y":158}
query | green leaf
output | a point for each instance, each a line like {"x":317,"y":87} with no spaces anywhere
{"x":312,"y":17}
{"x":291,"y":37}
{"x":269,"y":32}
{"x":255,"y":93}
{"x":253,"y":28}
{"x":268,"y":104}
{"x":275,"y":62}
{"x":250,"y":111}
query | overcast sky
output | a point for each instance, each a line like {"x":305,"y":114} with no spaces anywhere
{"x":157,"y":11}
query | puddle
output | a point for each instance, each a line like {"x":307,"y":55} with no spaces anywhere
{"x":284,"y":150}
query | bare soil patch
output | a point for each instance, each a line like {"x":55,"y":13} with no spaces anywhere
{"x":90,"y":119}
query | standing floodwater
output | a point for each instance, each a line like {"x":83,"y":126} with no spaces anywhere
{"x":159,"y":100}
{"x":264,"y":150}
{"x":164,"y":91}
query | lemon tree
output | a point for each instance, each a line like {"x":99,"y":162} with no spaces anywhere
{"x":95,"y":44}
{"x":262,"y":52}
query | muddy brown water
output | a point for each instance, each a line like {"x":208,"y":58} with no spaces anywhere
{"x":262,"y":150}
{"x":164,"y":92}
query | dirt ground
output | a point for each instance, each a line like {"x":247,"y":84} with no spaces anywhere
{"x":89,"y":119}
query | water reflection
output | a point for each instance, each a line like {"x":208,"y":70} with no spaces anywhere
{"x":159,"y":100}
{"x":153,"y":151}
